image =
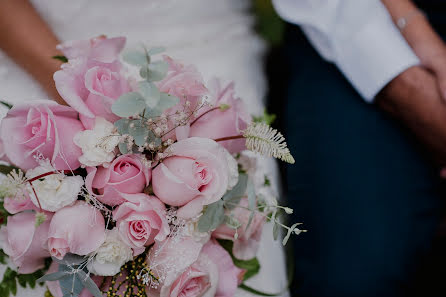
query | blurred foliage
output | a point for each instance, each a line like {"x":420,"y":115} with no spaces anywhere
{"x":269,"y":25}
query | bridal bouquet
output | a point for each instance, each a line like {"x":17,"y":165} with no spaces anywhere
{"x":143,"y":186}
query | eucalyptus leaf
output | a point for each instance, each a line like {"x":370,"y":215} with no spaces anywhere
{"x":139,"y":132}
{"x":71,"y":259}
{"x":71,"y":283}
{"x":135,"y":57}
{"x":123,"y":126}
{"x":128,"y":105}
{"x":123,"y":148}
{"x":213,"y":216}
{"x":150,"y":93}
{"x":233,"y":196}
{"x":89,"y":284}
{"x":53,"y":276}
{"x":156,"y":50}
{"x":144,"y":71}
{"x":157,"y":70}
{"x":166,"y":101}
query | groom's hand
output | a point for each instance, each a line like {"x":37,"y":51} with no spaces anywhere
{"x":414,"y":99}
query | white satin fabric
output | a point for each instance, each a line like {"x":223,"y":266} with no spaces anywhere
{"x":215,"y":35}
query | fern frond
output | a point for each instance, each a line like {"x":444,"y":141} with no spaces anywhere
{"x":263,"y":139}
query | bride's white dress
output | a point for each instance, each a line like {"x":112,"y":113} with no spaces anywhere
{"x":215,"y":35}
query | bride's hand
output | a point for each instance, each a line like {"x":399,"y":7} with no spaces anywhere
{"x":28,"y":40}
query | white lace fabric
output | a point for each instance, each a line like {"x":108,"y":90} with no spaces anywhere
{"x":215,"y":35}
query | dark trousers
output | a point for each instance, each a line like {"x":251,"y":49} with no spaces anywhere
{"x":361,"y":185}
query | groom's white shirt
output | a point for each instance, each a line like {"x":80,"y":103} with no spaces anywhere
{"x":357,"y":35}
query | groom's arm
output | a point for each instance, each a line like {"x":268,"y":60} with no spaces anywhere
{"x":28,"y":40}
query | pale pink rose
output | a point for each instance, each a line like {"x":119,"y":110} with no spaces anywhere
{"x":18,"y":204}
{"x":77,"y":229}
{"x":41,"y":127}
{"x":91,"y":81}
{"x":105,"y":87}
{"x":184,"y":270}
{"x":25,"y":244}
{"x":230,"y":276}
{"x":101,"y":48}
{"x":195,"y":175}
{"x":247,"y":243}
{"x":126,"y":174}
{"x":185,"y":83}
{"x":213,"y":122}
{"x":54,"y":286}
{"x":141,"y":221}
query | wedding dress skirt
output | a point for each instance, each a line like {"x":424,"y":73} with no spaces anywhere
{"x":215,"y":35}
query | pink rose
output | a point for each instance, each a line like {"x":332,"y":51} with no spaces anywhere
{"x":41,"y":127}
{"x":54,"y":286}
{"x":185,"y":83}
{"x":230,"y":276}
{"x":189,"y":269}
{"x":25,"y":244}
{"x":196,"y":174}
{"x":213,"y":122}
{"x":78,"y":229}
{"x":101,"y":48}
{"x":184,"y":271}
{"x":15,"y":205}
{"x":90,"y":83}
{"x":127,"y":174}
{"x":141,"y":221}
{"x":247,"y":243}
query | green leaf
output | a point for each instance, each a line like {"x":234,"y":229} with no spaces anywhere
{"x":150,"y":93}
{"x":232,"y":222}
{"x":252,"y":266}
{"x":256,"y":292}
{"x":135,"y":57}
{"x":156,"y":50}
{"x":3,"y":257}
{"x":129,"y":105}
{"x":265,"y":118}
{"x":157,"y":70}
{"x":60,"y":58}
{"x":4,"y":103}
{"x":251,"y":202}
{"x":212,"y":217}
{"x":233,"y":196}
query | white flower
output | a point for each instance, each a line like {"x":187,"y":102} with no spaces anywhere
{"x":248,"y":162}
{"x":54,"y":191}
{"x":98,"y":145}
{"x":111,"y":255}
{"x":233,"y":170}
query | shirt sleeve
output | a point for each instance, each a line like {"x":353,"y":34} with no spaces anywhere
{"x":358,"y":36}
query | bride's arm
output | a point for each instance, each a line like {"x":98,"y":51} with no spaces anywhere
{"x":28,"y":40}
{"x":426,"y":43}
